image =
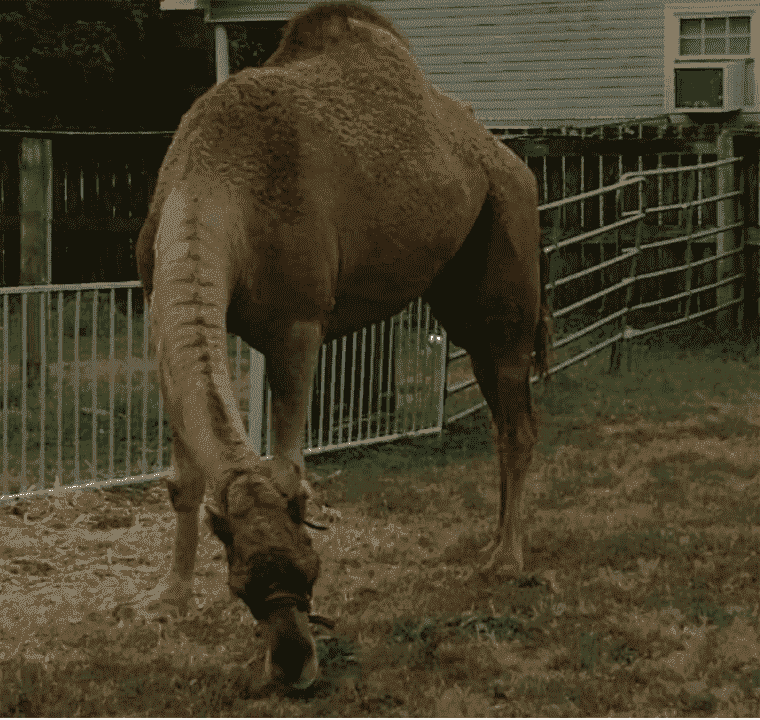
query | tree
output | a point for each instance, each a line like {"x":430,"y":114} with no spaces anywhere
{"x":111,"y":64}
{"x":252,"y":43}
{"x":90,"y":65}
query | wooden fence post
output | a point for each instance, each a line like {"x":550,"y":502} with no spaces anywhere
{"x":36,"y":198}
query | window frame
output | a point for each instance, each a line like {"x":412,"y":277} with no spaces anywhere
{"x":675,"y":12}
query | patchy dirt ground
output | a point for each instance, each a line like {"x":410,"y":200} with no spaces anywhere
{"x":643,"y":498}
{"x":79,"y":555}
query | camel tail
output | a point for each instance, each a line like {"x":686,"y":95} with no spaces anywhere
{"x":542,"y":344}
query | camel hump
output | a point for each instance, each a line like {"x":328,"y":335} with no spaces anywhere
{"x":318,"y":28}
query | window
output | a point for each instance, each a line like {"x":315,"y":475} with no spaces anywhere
{"x":711,"y":50}
{"x":714,"y":36}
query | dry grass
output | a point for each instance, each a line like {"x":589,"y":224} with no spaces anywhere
{"x":643,"y":497}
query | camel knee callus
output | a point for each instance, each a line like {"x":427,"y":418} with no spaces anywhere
{"x":299,"y":202}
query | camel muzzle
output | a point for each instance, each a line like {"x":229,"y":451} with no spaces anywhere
{"x":272,"y":563}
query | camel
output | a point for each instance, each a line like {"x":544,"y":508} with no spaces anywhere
{"x":299,"y":202}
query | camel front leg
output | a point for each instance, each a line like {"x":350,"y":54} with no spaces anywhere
{"x":291,"y":368}
{"x":292,"y":651}
{"x":171,"y":595}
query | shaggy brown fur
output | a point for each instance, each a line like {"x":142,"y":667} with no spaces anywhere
{"x":299,"y":202}
{"x":313,"y":30}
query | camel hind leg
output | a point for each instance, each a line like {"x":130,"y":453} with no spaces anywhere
{"x":500,"y":336}
{"x":505,"y":385}
{"x":497,"y":317}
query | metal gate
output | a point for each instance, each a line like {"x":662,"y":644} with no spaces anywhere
{"x":668,"y":249}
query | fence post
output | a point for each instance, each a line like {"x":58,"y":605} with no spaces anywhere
{"x":691,"y":191}
{"x":725,"y":241}
{"x":752,"y":287}
{"x":36,"y":201}
{"x":444,"y":394}
{"x":639,"y":236}
{"x":616,"y":350}
{"x":256,"y":397}
{"x":751,"y":234}
{"x":622,"y":345}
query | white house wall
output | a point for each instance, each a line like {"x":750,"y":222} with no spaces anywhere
{"x":525,"y":63}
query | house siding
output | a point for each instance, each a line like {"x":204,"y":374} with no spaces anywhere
{"x":536,"y":63}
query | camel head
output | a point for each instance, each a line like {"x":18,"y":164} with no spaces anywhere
{"x":272,"y":565}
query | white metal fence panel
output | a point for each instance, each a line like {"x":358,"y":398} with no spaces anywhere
{"x":78,"y":390}
{"x":81,"y":402}
{"x":378,"y":384}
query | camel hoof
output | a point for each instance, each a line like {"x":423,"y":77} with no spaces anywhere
{"x":160,"y":604}
{"x":502,"y":561}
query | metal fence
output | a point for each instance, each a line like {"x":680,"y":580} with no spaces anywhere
{"x":662,"y":253}
{"x":81,"y":401}
{"x":648,"y":249}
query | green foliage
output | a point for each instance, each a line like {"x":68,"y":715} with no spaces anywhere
{"x":701,"y":705}
{"x":338,"y":657}
{"x":252,"y":44}
{"x":67,"y":63}
{"x":419,"y":643}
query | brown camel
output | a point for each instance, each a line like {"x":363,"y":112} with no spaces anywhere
{"x":299,"y":202}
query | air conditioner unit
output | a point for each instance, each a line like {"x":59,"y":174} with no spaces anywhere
{"x":710,"y":86}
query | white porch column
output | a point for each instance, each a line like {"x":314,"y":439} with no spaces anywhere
{"x":222,"y":52}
